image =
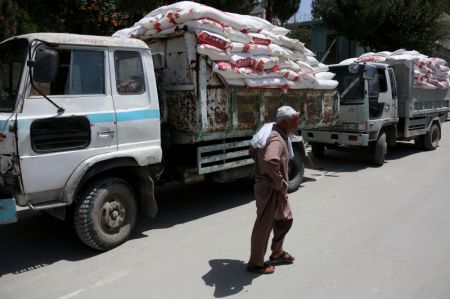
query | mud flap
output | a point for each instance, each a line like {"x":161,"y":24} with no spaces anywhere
{"x":7,"y":211}
{"x":146,"y":191}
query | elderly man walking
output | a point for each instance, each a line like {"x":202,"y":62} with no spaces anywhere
{"x":271,"y":150}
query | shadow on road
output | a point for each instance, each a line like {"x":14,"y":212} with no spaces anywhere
{"x":38,"y":240}
{"x":178,"y":203}
{"x":229,"y":277}
{"x":337,"y":161}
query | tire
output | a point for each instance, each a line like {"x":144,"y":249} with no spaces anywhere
{"x":296,"y":171}
{"x":318,"y":149}
{"x":106,"y":213}
{"x":418,"y":141}
{"x":380,"y":150}
{"x":431,"y":138}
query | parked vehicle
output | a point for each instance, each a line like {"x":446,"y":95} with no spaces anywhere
{"x":87,"y":128}
{"x":378,"y":107}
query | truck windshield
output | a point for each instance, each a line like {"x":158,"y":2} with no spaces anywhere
{"x":12,"y":61}
{"x":351,"y":86}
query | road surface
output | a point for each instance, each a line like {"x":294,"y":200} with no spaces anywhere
{"x":359,"y":232}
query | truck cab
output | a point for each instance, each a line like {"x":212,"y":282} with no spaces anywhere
{"x":79,"y":121}
{"x":378,"y":106}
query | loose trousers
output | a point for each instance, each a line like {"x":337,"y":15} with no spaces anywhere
{"x":272,"y":213}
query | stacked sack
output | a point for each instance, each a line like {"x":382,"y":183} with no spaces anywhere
{"x":429,"y":72}
{"x":244,"y":50}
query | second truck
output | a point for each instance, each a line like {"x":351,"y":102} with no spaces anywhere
{"x":379,"y":106}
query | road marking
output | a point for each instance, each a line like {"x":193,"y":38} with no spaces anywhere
{"x":110,"y":279}
{"x":70,"y":295}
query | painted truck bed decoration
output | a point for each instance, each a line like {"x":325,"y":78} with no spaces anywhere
{"x":244,"y":50}
{"x":429,"y":72}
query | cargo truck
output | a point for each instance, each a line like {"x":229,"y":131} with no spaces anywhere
{"x":378,"y":107}
{"x":89,"y":125}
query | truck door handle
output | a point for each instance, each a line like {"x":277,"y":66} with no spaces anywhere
{"x":106,"y":132}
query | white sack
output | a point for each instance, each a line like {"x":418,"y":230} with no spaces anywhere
{"x":326,"y":84}
{"x":213,"y":39}
{"x":325,"y":75}
{"x":269,"y":83}
{"x":214,"y":53}
{"x":237,"y":36}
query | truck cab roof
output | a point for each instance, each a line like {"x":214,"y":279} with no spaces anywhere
{"x":87,"y":40}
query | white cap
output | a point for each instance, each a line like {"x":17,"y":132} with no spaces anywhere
{"x":285,"y":112}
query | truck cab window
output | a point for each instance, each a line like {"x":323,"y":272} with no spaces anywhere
{"x":376,"y":86}
{"x":129,"y":72}
{"x":79,"y":72}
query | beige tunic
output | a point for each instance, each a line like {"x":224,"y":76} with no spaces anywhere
{"x":271,"y":173}
{"x":272,"y":207}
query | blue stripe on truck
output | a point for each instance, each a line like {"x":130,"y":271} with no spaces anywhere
{"x":108,"y":117}
{"x":123,"y":116}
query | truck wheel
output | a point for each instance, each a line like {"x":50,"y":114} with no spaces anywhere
{"x":418,"y":141}
{"x":318,"y":149}
{"x":431,"y":138}
{"x":380,"y":150}
{"x":296,"y":171}
{"x":106,"y":213}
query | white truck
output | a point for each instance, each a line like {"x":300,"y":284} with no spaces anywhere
{"x":87,"y":128}
{"x":378,"y":106}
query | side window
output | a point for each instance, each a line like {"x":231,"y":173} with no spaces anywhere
{"x":79,"y":72}
{"x":129,"y":72}
{"x":60,"y":134}
{"x":393,"y":83}
{"x":382,"y":80}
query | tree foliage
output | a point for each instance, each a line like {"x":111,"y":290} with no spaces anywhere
{"x":241,"y":7}
{"x":284,"y":9}
{"x":101,"y":17}
{"x":302,"y":34}
{"x":386,"y":24}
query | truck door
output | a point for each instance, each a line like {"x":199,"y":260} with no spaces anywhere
{"x":393,"y":92}
{"x":136,"y":101}
{"x":51,"y":145}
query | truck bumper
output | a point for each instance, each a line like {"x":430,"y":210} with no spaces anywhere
{"x":337,"y":138}
{"x":7,"y":211}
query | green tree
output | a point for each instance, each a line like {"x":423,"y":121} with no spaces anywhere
{"x":91,"y":17}
{"x":241,"y":7}
{"x":8,"y":22}
{"x":386,"y":24}
{"x":412,"y":24}
{"x":356,"y":19}
{"x":284,"y":9}
{"x":302,"y":34}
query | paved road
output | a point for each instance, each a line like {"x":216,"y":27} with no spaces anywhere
{"x":359,"y":232}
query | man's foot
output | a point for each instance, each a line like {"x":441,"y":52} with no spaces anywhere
{"x":283,"y":258}
{"x":264,"y":269}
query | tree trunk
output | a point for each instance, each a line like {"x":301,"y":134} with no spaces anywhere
{"x":269,"y":11}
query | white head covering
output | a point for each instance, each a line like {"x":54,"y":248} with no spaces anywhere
{"x":285,"y":112}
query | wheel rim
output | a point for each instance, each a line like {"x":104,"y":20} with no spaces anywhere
{"x":435,"y":136}
{"x":112,"y":215}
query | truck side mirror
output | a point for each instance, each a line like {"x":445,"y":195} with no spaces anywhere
{"x":158,"y":60}
{"x":45,"y":65}
{"x":353,"y":68}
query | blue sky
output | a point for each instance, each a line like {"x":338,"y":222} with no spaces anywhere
{"x":303,"y":13}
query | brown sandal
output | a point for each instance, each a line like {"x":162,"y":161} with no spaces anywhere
{"x":284,"y":259}
{"x":265,"y":269}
